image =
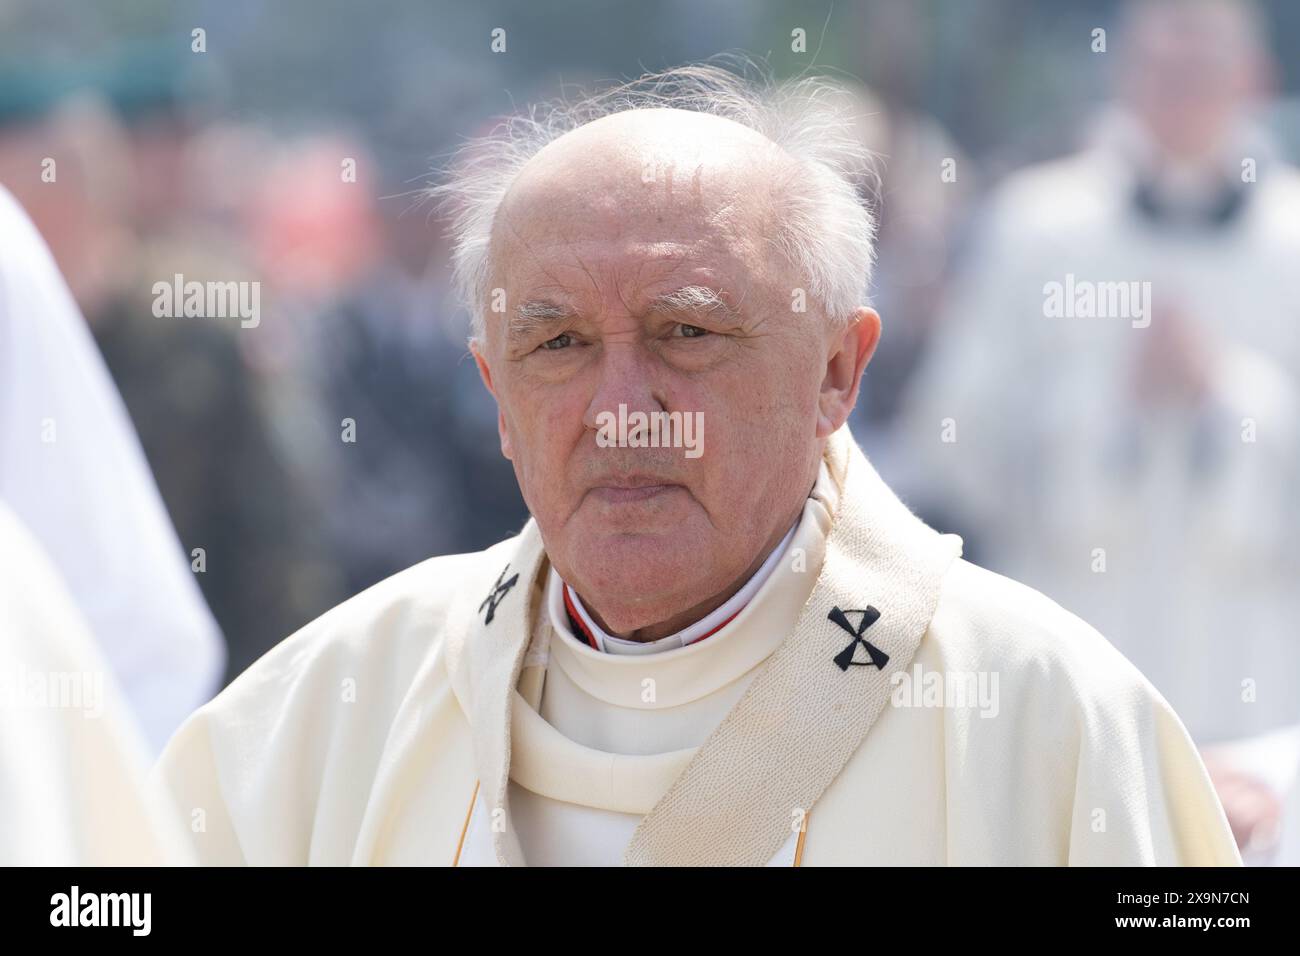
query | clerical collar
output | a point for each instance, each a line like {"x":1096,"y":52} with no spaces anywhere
{"x":1221,"y":203}
{"x":570,"y":618}
{"x":1210,"y":197}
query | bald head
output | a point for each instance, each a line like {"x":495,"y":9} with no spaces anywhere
{"x":651,"y":158}
{"x":645,"y":190}
{"x":781,"y":165}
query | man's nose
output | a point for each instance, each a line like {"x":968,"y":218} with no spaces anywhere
{"x":625,"y":375}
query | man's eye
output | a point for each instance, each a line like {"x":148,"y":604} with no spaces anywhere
{"x":560,"y":341}
{"x":692,"y":331}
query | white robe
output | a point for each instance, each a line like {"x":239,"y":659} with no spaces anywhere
{"x":73,"y":768}
{"x":388,"y":731}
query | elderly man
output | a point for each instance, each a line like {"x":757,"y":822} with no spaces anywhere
{"x":724,"y":644}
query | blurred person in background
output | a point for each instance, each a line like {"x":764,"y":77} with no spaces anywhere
{"x":922,"y":202}
{"x":71,"y":469}
{"x":205,"y":392}
{"x":389,"y":354}
{"x":145,"y":190}
{"x":1142,"y":467}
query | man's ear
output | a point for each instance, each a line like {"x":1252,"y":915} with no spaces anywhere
{"x":850,"y":352}
{"x":485,"y":373}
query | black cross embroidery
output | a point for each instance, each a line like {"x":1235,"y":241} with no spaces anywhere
{"x":844,"y":658}
{"x":498,"y":592}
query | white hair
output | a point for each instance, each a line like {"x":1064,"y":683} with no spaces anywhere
{"x":827,"y":229}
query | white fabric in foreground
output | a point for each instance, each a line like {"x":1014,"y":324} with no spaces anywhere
{"x":72,"y":469}
{"x":72,"y":764}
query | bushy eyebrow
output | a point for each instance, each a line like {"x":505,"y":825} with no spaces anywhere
{"x":536,"y":316}
{"x":696,"y":300}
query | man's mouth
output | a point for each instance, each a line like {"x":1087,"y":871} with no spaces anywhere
{"x":630,"y":489}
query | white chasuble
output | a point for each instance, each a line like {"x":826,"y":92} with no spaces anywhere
{"x":887,"y":704}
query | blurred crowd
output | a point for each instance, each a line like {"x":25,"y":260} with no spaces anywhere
{"x":1144,"y":476}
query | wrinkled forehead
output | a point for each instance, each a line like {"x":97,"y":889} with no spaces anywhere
{"x":653,"y":185}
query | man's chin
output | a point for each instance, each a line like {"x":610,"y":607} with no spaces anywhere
{"x":632,"y":572}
